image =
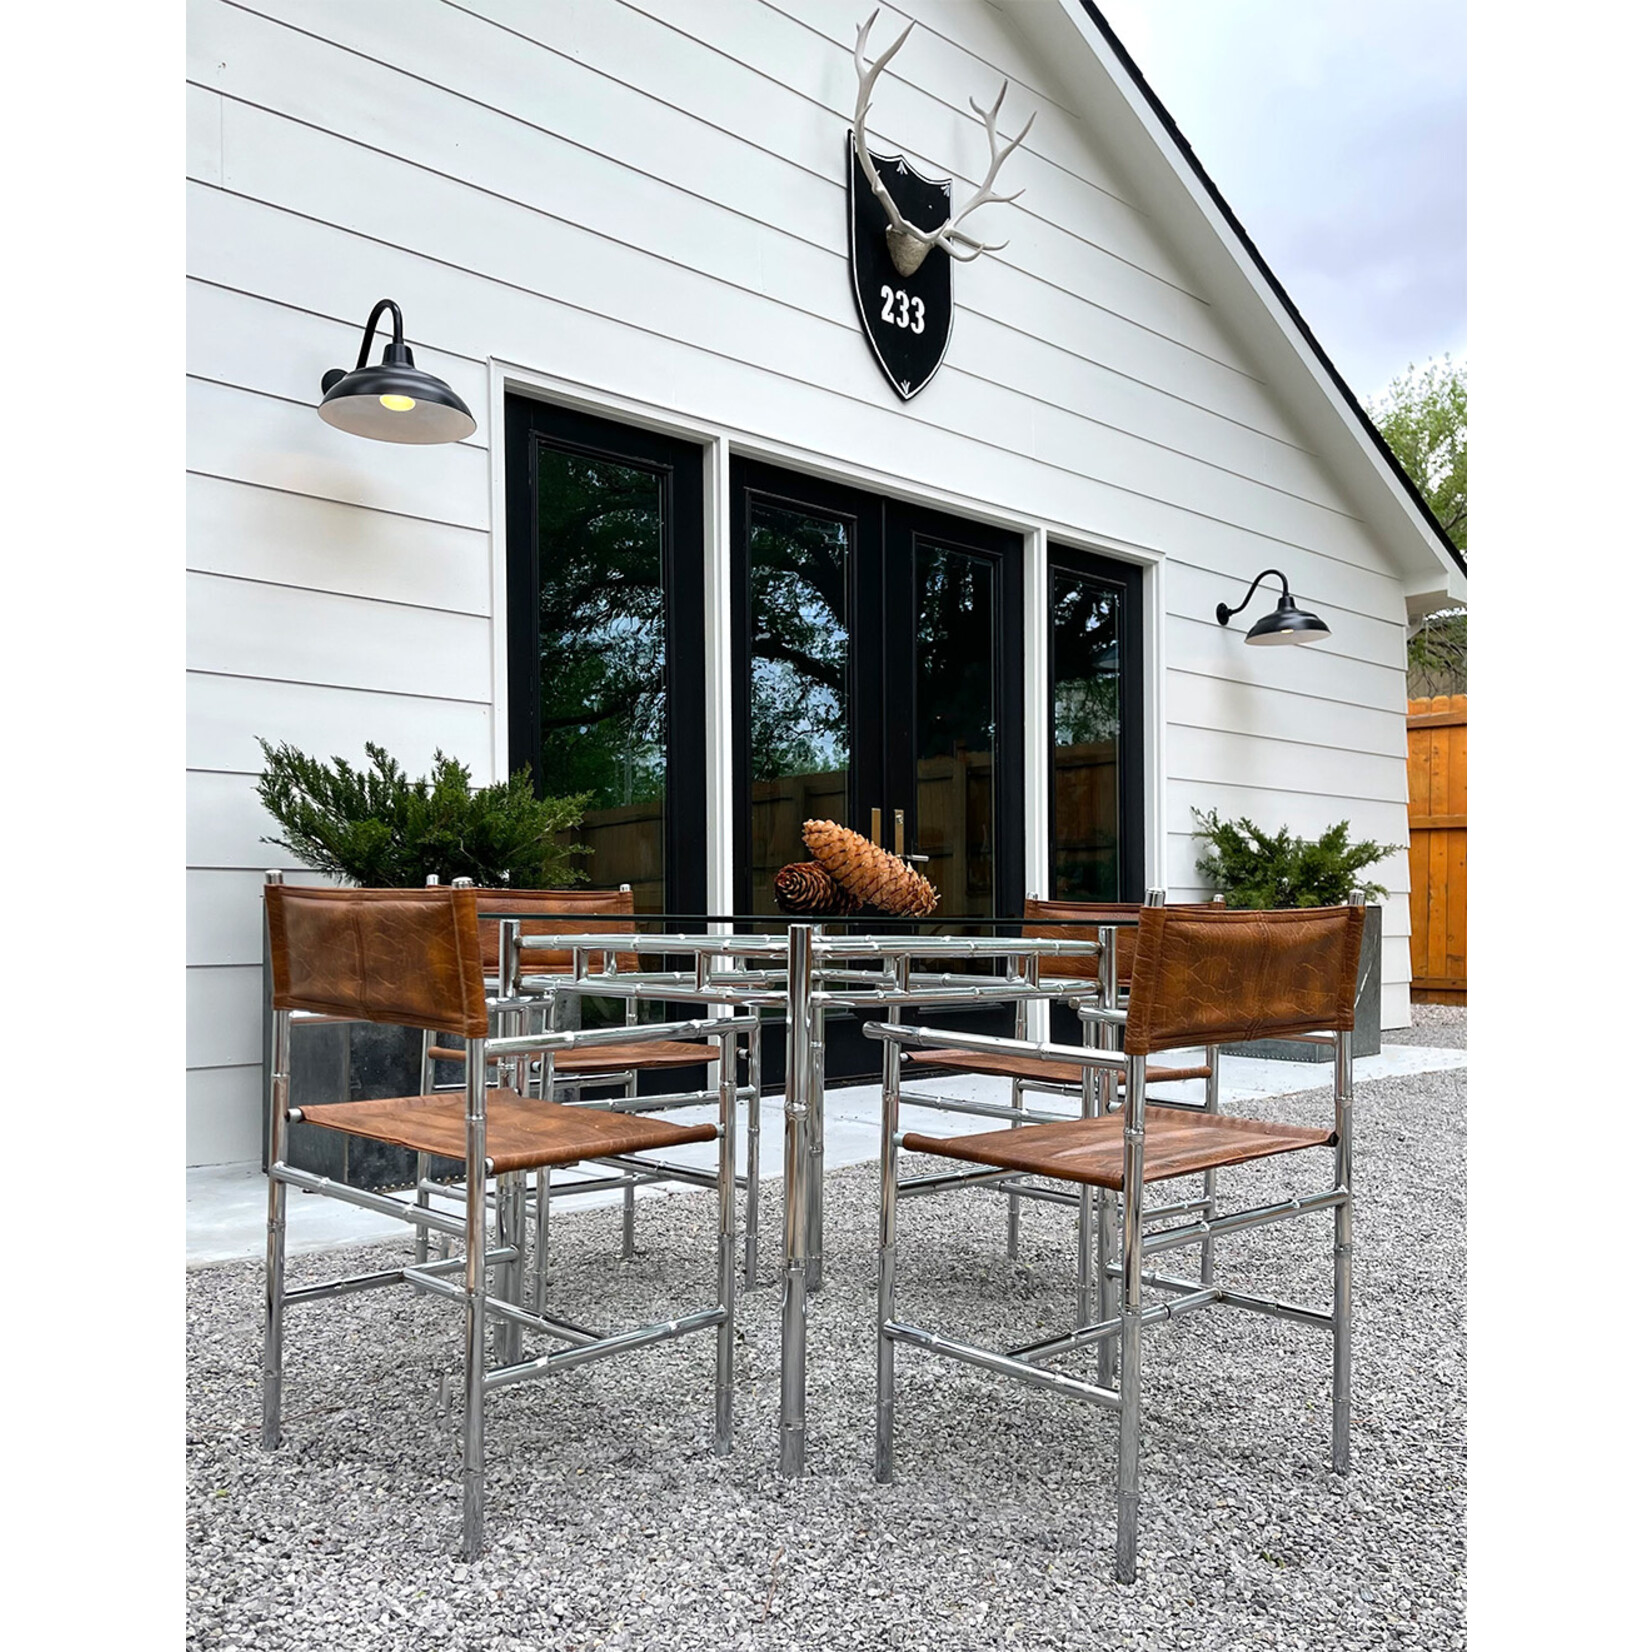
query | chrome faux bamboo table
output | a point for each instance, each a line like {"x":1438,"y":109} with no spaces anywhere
{"x":808,"y":973}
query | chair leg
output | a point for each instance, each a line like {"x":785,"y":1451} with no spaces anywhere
{"x":754,"y":1143}
{"x":1207,"y":1250}
{"x":541,"y":1236}
{"x":883,"y":1460}
{"x":1342,"y":1338}
{"x":275,"y":1260}
{"x":728,"y":1114}
{"x":1012,"y":1235}
{"x":1124,"y":1560}
{"x":421,"y":1198}
{"x":275,"y":1225}
{"x":507,"y":1333}
{"x":814,"y":1271}
{"x":1342,"y":1299}
{"x":1087,"y":1250}
{"x":1107,"y":1251}
{"x":476,"y":1284}
{"x":628,"y":1210}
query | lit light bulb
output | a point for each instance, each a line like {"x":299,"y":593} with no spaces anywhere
{"x":398,"y":404}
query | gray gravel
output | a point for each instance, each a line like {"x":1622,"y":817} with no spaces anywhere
{"x":612,"y":1525}
{"x":1442,"y":1026}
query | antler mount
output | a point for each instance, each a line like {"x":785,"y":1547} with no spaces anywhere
{"x":909,"y":245}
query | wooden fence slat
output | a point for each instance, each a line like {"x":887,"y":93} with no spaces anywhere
{"x":1437,"y":786}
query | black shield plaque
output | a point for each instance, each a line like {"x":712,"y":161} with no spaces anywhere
{"x":907,"y":319}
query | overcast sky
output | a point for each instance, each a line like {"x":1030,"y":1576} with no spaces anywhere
{"x":1336,"y":130}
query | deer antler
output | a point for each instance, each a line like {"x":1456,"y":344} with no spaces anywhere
{"x":909,"y":245}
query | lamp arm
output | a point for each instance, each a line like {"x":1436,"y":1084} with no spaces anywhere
{"x":1225,"y":613}
{"x":372,"y":327}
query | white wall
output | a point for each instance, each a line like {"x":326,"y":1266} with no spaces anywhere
{"x":646,"y":199}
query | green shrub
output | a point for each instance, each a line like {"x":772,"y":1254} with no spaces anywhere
{"x":1255,"y":869}
{"x":379,"y":829}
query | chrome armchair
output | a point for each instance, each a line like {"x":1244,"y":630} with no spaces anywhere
{"x":413,"y":957}
{"x":1199,"y":978}
{"x":1111,"y":925}
{"x":605,"y":1076}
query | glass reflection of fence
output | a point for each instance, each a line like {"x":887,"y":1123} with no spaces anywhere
{"x":1085,"y":840}
{"x":954,"y":828}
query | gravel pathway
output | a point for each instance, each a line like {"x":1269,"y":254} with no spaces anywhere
{"x":611,"y":1524}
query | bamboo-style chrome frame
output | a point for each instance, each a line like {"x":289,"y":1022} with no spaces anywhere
{"x":1123,"y":1314}
{"x":503,"y":1306}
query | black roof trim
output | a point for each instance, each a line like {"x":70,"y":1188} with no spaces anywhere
{"x":1117,"y":47}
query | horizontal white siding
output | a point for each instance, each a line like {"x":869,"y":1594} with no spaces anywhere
{"x":647,"y":198}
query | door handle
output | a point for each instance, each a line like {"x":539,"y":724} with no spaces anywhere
{"x":900,"y":841}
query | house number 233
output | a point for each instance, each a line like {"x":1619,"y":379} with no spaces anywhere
{"x":902,"y":310}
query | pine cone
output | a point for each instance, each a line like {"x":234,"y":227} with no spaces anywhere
{"x":806,"y":887}
{"x":869,"y":873}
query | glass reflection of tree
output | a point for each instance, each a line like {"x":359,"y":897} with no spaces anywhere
{"x":954,"y":594}
{"x":799,"y":644}
{"x":601,"y":631}
{"x":1083,"y":620}
{"x":1084,"y":712}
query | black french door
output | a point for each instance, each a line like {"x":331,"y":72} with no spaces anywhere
{"x":877,"y":666}
{"x":606,"y":630}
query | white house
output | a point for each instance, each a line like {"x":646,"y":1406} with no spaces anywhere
{"x":617,"y":228}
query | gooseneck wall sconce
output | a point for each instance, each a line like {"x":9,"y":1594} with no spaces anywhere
{"x":393,"y":402}
{"x":1286,"y":624}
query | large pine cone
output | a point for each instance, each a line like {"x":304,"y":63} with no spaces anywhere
{"x":869,"y":873}
{"x":806,"y":887}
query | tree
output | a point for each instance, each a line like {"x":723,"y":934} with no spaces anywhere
{"x":1423,"y":416}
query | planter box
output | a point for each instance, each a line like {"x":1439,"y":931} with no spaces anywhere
{"x":1367,"y":1009}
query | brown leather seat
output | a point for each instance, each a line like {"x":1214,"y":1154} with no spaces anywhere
{"x":1026,"y":1066}
{"x":522,"y":1134}
{"x":1178,"y":1143}
{"x":612,"y":1058}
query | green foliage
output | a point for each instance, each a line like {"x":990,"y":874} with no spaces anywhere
{"x":379,"y":829}
{"x":1423,"y":416}
{"x":1256,"y":869}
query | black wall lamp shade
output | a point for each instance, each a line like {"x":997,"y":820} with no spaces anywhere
{"x":1286,"y":624}
{"x":393,"y":402}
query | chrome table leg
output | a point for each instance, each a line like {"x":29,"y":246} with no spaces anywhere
{"x":794,"y":1297}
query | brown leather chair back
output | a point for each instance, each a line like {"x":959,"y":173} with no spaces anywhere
{"x":570,"y":907}
{"x":1058,"y":920}
{"x":1211,"y":977}
{"x":408,"y":956}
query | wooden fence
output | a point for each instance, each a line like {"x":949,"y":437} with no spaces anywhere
{"x":1437,"y":770}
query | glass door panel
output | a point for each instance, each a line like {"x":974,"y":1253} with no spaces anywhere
{"x":1095,"y":717}
{"x":605,"y":618}
{"x":955,"y":721}
{"x":798,"y":683}
{"x":1084,"y":724}
{"x":602,"y":662}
